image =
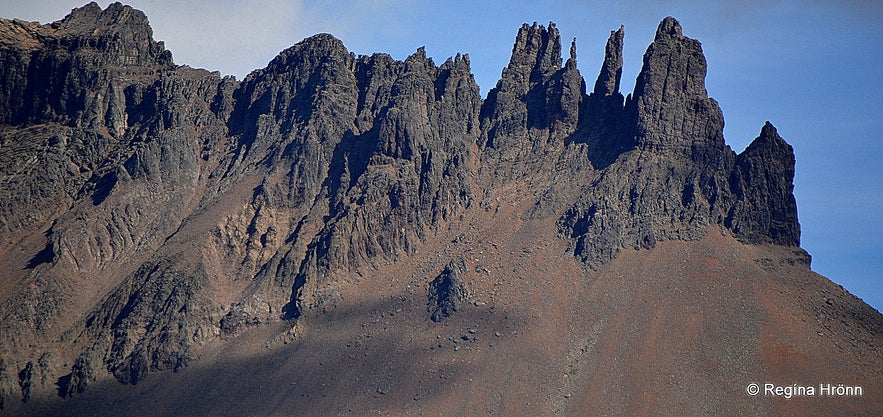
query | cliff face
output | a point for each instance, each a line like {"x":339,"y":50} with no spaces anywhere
{"x":147,"y":208}
{"x":107,"y":146}
{"x":667,"y":172}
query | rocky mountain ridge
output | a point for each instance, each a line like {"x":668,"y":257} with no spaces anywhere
{"x":149,"y":209}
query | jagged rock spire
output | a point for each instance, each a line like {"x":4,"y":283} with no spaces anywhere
{"x":535,"y":55}
{"x":611,"y":71}
{"x":668,"y":28}
{"x":671,"y":105}
{"x":678,"y":132}
{"x":604,"y":108}
{"x":763,"y":186}
{"x":534,"y":92}
{"x":572,"y":60}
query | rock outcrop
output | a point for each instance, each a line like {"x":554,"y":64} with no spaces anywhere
{"x":535,"y":105}
{"x":764,"y":208}
{"x":107,"y":148}
{"x":673,"y":175}
{"x":77,"y":71}
{"x":603,"y":124}
{"x":147,"y":208}
{"x":670,"y":108}
{"x":447,"y":291}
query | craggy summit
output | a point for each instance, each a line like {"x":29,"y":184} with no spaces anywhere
{"x":152,"y":215}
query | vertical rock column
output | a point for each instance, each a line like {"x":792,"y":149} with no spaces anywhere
{"x":671,"y":108}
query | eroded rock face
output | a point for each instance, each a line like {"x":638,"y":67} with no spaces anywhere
{"x":156,"y":207}
{"x":663,"y":140}
{"x":77,"y":71}
{"x":406,"y":175}
{"x":85,"y":82}
{"x":107,"y":148}
{"x":670,"y":107}
{"x":668,"y":174}
{"x":535,"y":105}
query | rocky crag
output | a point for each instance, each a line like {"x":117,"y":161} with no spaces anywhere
{"x":148,"y":209}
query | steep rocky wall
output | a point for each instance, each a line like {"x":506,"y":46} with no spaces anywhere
{"x":76,"y":71}
{"x":106,"y":151}
{"x":668,"y":173}
{"x":533,"y":108}
{"x":393,"y":193}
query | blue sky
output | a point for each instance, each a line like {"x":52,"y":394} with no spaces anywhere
{"x":812,"y":68}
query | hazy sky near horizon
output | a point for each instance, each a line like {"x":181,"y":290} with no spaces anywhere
{"x":812,"y":68}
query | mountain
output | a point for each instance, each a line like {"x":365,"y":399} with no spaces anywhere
{"x":348,"y":235}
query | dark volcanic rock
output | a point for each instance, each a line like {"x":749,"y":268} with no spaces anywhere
{"x":125,"y":142}
{"x":673,"y":181}
{"x":603,"y":124}
{"x":536,"y":103}
{"x":67,"y":158}
{"x":608,"y":80}
{"x":147,"y":208}
{"x":670,"y":108}
{"x":4,"y":385}
{"x":762,"y":184}
{"x":672,"y":135}
{"x":25,"y":379}
{"x":447,"y":291}
{"x":82,"y":374}
{"x":392,"y":185}
{"x":77,"y":71}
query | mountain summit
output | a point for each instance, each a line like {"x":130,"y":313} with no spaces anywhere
{"x":343,"y":235}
